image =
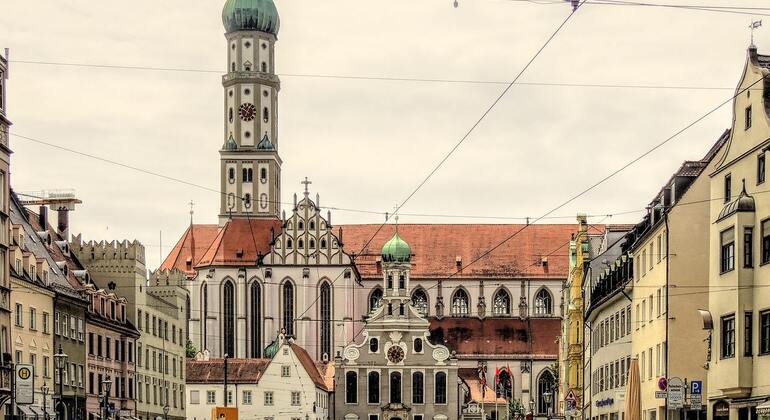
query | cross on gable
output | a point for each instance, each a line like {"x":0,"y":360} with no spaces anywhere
{"x":307,"y":183}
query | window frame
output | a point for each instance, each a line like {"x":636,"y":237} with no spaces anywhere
{"x":728,"y":187}
{"x":748,"y":333}
{"x":726,"y":251}
{"x":727,"y":336}
{"x":761,"y":168}
{"x":764,"y":332}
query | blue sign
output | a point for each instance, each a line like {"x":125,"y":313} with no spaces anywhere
{"x":605,"y":402}
{"x":696,"y":387}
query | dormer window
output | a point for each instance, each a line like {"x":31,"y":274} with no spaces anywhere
{"x":748,"y":117}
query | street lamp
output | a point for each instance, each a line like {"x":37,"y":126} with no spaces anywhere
{"x":60,"y":359}
{"x":44,"y":388}
{"x":107,"y":384}
{"x":547,"y":398}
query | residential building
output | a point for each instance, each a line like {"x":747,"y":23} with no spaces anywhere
{"x":670,"y":254}
{"x":739,"y":249}
{"x":607,"y":334}
{"x":5,"y":282}
{"x":285,"y":384}
{"x":394,"y":371}
{"x":111,"y":340}
{"x":156,"y":308}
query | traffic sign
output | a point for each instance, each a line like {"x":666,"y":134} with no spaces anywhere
{"x":660,"y":395}
{"x":662,"y":383}
{"x":675,"y":393}
{"x":570,"y":396}
{"x":25,"y":384}
{"x":696,"y":387}
{"x":696,"y":401}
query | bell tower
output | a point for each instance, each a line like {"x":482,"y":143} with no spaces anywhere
{"x":250,"y":167}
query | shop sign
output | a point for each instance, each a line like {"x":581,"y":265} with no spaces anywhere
{"x":721,"y":409}
{"x":675,"y":393}
{"x":605,"y":402}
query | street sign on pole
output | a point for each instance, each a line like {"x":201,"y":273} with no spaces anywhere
{"x":25,"y":384}
{"x":661,"y":395}
{"x":696,"y":395}
{"x":675,"y":393}
{"x":696,"y":387}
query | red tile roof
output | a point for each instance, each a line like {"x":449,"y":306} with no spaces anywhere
{"x":239,"y":371}
{"x":198,"y":238}
{"x":310,"y":367}
{"x":497,"y":336}
{"x":436,"y":249}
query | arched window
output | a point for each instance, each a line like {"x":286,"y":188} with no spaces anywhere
{"x":312,"y":244}
{"x":301,"y":225}
{"x":504,"y":387}
{"x":264,"y":67}
{"x":187,"y":310}
{"x":247,"y":200}
{"x":420,"y":301}
{"x":440,"y":388}
{"x":228,"y":321}
{"x":323,"y":243}
{"x":288,"y":308}
{"x":232,"y":66}
{"x":395,"y":387}
{"x":401,"y":281}
{"x":230,"y":114}
{"x":263,"y":174}
{"x":351,"y":387}
{"x":418,"y":345}
{"x":312,"y":225}
{"x":231,"y":175}
{"x":289,"y":243}
{"x":501,"y":304}
{"x":374,"y":344}
{"x":545,"y":383}
{"x":374,"y":388}
{"x":460,"y":304}
{"x":300,"y":244}
{"x":326,"y":320}
{"x":204,"y":314}
{"x":543,"y":302}
{"x":256,"y":320}
{"x":265,"y":115}
{"x":375,"y":299}
{"x":418,"y":388}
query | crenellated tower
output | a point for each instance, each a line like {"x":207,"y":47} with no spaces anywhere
{"x":250,"y":164}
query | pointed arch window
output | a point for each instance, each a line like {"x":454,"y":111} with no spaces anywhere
{"x":375,"y":299}
{"x":256,"y":320}
{"x":545,"y":383}
{"x":312,"y":225}
{"x":420,"y":301}
{"x":418,"y":388}
{"x":301,"y":225}
{"x":351,"y":387}
{"x":460,"y":305}
{"x":440,"y":395}
{"x":504,"y":384}
{"x":395,"y":387}
{"x":187,"y":310}
{"x":323,"y":243}
{"x":326,"y":320}
{"x":288,"y":308}
{"x":543,"y":302}
{"x":501,"y":304}
{"x":204,"y":315}
{"x":228,"y":308}
{"x":312,"y":244}
{"x":300,"y":244}
{"x":289,"y":243}
{"x":374,"y":388}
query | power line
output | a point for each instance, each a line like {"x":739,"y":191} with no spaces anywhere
{"x":392,"y":78}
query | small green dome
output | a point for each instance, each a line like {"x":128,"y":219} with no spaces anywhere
{"x":272,"y":349}
{"x":396,"y":250}
{"x":251,"y":15}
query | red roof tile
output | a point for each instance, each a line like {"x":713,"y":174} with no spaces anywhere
{"x":310,"y":367}
{"x":436,"y":249}
{"x":239,"y":371}
{"x":198,"y":239}
{"x":239,"y":242}
{"x":497,"y":336}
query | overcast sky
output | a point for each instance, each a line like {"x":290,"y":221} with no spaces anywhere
{"x":367,"y":144}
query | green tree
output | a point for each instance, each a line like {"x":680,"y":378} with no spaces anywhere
{"x":190,"y":350}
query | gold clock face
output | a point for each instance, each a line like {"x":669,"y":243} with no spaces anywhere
{"x":395,"y":354}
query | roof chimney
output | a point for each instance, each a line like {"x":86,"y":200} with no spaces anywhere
{"x":43,"y":218}
{"x":64,"y":223}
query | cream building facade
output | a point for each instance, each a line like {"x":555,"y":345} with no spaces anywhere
{"x":739,"y":247}
{"x":670,"y":254}
{"x":5,"y":280}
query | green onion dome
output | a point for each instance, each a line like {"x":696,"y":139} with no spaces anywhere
{"x":396,"y":250}
{"x":272,"y":349}
{"x":251,"y":15}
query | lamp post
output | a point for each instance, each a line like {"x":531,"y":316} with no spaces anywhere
{"x":532,"y":408}
{"x":44,"y":388}
{"x":106,"y":385}
{"x":60,"y":359}
{"x":547,"y":397}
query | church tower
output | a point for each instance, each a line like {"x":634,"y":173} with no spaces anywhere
{"x":250,"y":164}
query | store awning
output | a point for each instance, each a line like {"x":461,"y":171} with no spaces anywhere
{"x":38,"y":411}
{"x":51,"y":413}
{"x":764,"y":409}
{"x":26,"y":411}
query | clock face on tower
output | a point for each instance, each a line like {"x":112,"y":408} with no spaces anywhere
{"x":395,"y":354}
{"x":247,"y":112}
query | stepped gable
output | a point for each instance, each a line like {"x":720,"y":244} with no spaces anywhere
{"x":182,"y":256}
{"x":472,"y":337}
{"x":239,"y":371}
{"x":240,"y":242}
{"x":440,"y":249}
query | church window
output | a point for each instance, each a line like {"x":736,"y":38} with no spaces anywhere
{"x":374,"y":345}
{"x":289,"y":244}
{"x":312,"y":244}
{"x":247,"y":134}
{"x":501,"y":303}
{"x":228,"y":305}
{"x":263,"y":200}
{"x":247,"y":67}
{"x":401,"y":281}
{"x":256,"y":320}
{"x":351,"y":387}
{"x":390,"y":281}
{"x":418,"y":345}
{"x":326,"y":319}
{"x":401,"y":309}
{"x":312,"y":225}
{"x":232,"y":47}
{"x":264,"y":46}
{"x":265,"y":93}
{"x":545,"y":384}
{"x":232,"y":66}
{"x":301,"y":225}
{"x":300,"y":244}
{"x":247,"y":200}
{"x":543,"y":302}
{"x":263,"y":174}
{"x":420,"y":301}
{"x":288,"y":308}
{"x":247,"y":91}
{"x":323,"y":243}
{"x":247,"y":44}
{"x":230,"y":93}
{"x":504,"y":384}
{"x":375,"y":299}
{"x":231,"y":175}
{"x":460,"y":304}
{"x":264,"y":67}
{"x":205,"y":314}
{"x":395,"y":387}
{"x":390,"y":308}
{"x":418,"y":388}
{"x":440,"y":397}
{"x":230,"y":114}
{"x":374,"y":388}
{"x":250,"y":175}
{"x":265,"y":115}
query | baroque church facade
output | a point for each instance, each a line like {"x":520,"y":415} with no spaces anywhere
{"x":262,"y":269}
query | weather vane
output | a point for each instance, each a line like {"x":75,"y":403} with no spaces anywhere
{"x":754,"y":26}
